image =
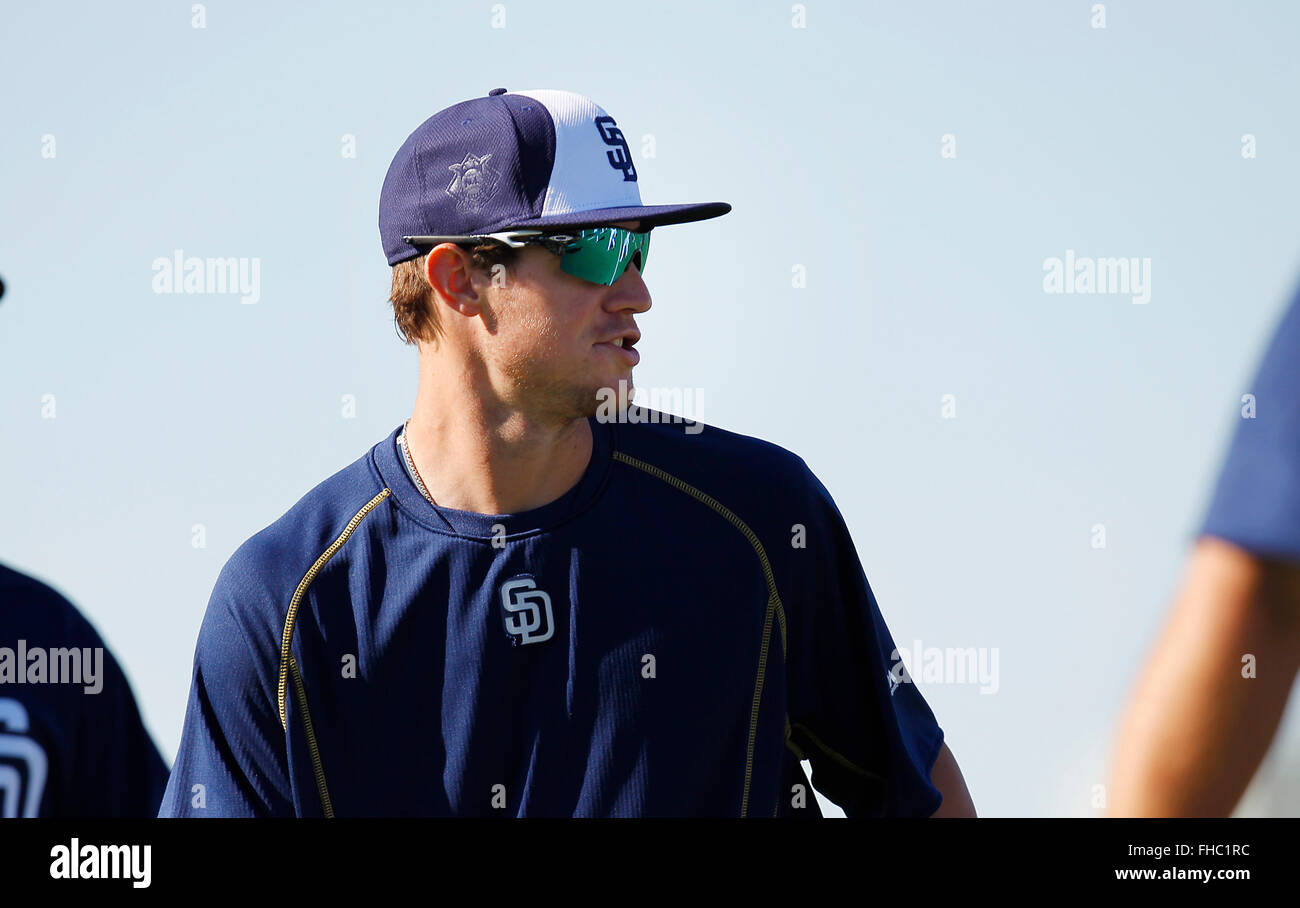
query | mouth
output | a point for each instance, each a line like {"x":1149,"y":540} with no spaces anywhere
{"x":623,"y":345}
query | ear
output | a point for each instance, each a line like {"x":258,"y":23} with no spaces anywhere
{"x":449,"y":270}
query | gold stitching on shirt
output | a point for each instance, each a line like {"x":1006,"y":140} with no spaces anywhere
{"x":316,"y":767}
{"x":839,"y":758}
{"x":774,"y":606}
{"x":286,"y":641}
{"x":836,"y":755}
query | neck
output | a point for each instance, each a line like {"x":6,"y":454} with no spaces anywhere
{"x":479,"y":455}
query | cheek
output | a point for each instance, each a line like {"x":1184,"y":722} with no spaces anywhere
{"x":530,"y":342}
{"x":547,"y":330}
{"x":543,"y":327}
{"x":535,"y":331}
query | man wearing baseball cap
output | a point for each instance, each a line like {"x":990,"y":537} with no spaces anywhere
{"x":518,"y":604}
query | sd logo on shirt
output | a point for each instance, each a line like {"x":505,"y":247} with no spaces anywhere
{"x":526,"y":611}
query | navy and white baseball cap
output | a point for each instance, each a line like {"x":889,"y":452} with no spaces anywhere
{"x":516,"y":160}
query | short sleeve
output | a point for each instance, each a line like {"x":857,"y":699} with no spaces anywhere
{"x":1256,"y":501}
{"x":231,"y":761}
{"x":871,"y":738}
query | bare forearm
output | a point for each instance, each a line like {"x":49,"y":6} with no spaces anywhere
{"x":946,"y":776}
{"x":1198,"y":725}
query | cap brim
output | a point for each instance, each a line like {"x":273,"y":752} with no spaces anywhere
{"x":648,"y":215}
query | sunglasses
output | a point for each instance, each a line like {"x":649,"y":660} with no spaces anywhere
{"x":597,"y":254}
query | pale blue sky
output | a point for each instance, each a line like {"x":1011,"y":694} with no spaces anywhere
{"x":924,"y":278}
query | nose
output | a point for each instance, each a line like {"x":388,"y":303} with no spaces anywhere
{"x":630,"y":290}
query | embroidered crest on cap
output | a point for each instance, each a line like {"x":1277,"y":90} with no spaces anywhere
{"x":474,"y":184}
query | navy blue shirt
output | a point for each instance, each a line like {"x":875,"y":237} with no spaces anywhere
{"x":1256,"y":503}
{"x":668,"y":638}
{"x":67,"y":749}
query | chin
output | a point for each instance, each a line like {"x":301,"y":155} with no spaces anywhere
{"x":611,"y":396}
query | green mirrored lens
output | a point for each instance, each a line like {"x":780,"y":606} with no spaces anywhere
{"x":602,"y":254}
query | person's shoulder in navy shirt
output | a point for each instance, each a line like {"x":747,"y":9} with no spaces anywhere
{"x":1256,"y":502}
{"x":855,"y":713}
{"x":72,"y":742}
